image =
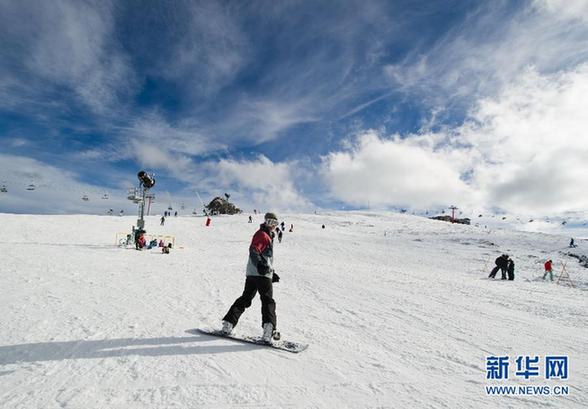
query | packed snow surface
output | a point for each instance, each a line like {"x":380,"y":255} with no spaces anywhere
{"x":397,"y":309}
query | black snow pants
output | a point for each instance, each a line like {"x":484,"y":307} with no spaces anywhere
{"x":254,"y":284}
{"x":494,"y":271}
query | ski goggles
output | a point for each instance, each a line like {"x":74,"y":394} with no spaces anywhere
{"x":271,"y":222}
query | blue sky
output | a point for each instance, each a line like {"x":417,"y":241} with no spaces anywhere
{"x":294,"y":105}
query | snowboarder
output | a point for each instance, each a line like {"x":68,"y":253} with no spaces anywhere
{"x":291,"y":228}
{"x":250,"y":219}
{"x":259,"y":278}
{"x":548,"y":269}
{"x":510,"y":269}
{"x":572,"y":244}
{"x":501,"y":264}
{"x":279,"y":235}
{"x":162,"y":221}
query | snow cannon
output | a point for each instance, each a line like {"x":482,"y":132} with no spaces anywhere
{"x":146,"y":179}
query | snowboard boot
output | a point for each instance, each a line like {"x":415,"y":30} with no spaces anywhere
{"x":269,"y":333}
{"x":227,"y":328}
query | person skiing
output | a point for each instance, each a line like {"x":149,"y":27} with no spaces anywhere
{"x":572,"y":244}
{"x":162,"y":221}
{"x":548,"y":269}
{"x":260,"y":277}
{"x":510,"y":269}
{"x":501,"y":264}
{"x":250,"y":219}
{"x":280,"y":234}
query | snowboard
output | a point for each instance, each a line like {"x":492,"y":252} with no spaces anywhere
{"x":289,"y":346}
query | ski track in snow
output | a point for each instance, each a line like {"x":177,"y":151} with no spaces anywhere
{"x":404,"y":319}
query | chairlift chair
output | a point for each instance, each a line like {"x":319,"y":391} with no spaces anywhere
{"x":31,"y":187}
{"x":3,"y":189}
{"x":85,"y":198}
{"x":132,"y":194}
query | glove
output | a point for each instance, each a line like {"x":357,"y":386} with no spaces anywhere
{"x":263,"y":269}
{"x":275,"y":278}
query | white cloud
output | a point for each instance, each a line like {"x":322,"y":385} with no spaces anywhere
{"x":491,"y":48}
{"x":56,"y":190}
{"x":16,"y":142}
{"x":210,"y":50}
{"x":531,"y":139}
{"x":269,"y":185}
{"x":522,"y":151}
{"x":72,"y":46}
{"x":265,"y":119}
{"x":383,"y":172}
{"x":184,"y":137}
{"x":567,"y":9}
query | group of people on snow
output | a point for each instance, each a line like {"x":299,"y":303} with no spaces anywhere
{"x":141,"y":243}
{"x":506,"y":266}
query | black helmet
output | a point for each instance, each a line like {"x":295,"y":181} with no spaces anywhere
{"x":271,"y":218}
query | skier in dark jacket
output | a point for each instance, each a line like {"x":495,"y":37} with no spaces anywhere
{"x":502,"y":265}
{"x":510,"y":269}
{"x":259,"y":278}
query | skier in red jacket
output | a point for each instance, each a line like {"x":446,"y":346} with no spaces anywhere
{"x":259,"y":278}
{"x":548,"y":269}
{"x":140,"y":241}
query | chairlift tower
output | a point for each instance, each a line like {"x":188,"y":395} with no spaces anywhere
{"x":146,"y":182}
{"x":453,"y":209}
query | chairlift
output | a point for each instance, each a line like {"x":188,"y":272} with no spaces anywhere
{"x":169,"y":208}
{"x":105,"y":196}
{"x":3,"y":189}
{"x":31,"y":187}
{"x":132,"y":194}
{"x":85,"y":198}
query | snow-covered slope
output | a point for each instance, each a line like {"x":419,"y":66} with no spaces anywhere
{"x":397,"y":311}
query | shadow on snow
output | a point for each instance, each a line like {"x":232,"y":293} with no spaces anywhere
{"x":108,"y":348}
